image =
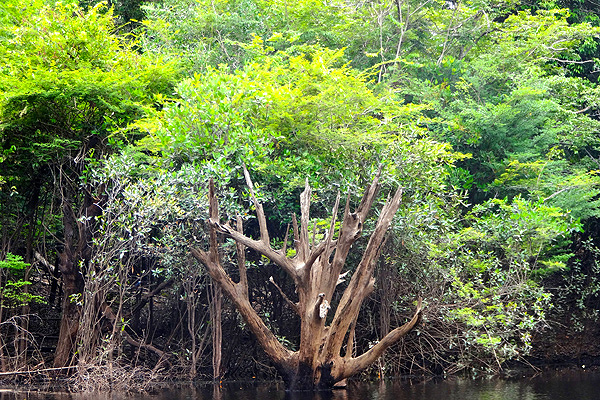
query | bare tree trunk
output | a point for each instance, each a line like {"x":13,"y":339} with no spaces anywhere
{"x":72,"y":287}
{"x":77,"y":250}
{"x":190,"y":302}
{"x":3,"y":362}
{"x":191,"y":286}
{"x":24,"y":320}
{"x":316,"y":269}
{"x":216,"y":302}
{"x":385,"y":305}
{"x":69,"y":323}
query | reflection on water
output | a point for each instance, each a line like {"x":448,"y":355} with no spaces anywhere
{"x":563,"y":386}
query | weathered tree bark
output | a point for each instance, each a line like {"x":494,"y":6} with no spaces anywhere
{"x":77,"y":250}
{"x":325,"y":354}
{"x":215,"y":303}
{"x":72,"y":285}
{"x":3,"y":363}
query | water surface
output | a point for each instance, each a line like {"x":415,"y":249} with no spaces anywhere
{"x":580,"y":385}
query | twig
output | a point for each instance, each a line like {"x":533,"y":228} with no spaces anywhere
{"x":290,"y":302}
{"x":36,"y":371}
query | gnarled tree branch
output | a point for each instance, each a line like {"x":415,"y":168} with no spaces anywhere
{"x":355,"y":365}
{"x":316,"y":269}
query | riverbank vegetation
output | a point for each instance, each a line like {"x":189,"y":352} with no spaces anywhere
{"x":479,"y":121}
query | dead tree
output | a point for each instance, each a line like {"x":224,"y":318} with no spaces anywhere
{"x":325,"y":353}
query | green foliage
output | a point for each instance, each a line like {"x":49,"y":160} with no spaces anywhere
{"x":294,"y":110}
{"x":201,"y":33}
{"x":511,"y":104}
{"x":66,"y":82}
{"x":209,"y":33}
{"x":490,"y":298}
{"x":557,"y":182}
{"x":65,"y":72}
{"x":581,"y":288}
{"x":589,"y":50}
{"x":13,"y":263}
{"x":127,"y":13}
{"x":150,"y":214}
{"x":521,"y":231}
{"x":150,"y":218}
{"x":292,"y":117}
{"x":12,"y":283}
{"x":494,"y":98}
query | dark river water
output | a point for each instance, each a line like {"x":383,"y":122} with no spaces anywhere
{"x":561,"y":386}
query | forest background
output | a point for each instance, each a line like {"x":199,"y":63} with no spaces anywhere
{"x":114,"y":116}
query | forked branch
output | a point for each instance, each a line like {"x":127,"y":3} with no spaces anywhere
{"x":237,"y":292}
{"x":316,"y":269}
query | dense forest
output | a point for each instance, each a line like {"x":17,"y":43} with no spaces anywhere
{"x":438,"y":161}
